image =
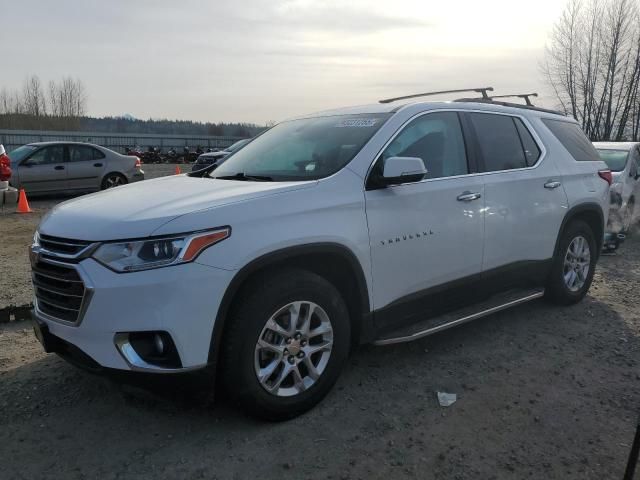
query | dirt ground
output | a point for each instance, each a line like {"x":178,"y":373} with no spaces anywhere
{"x":543,"y":392}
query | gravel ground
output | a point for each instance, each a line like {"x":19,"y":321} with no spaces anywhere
{"x":543,"y":392}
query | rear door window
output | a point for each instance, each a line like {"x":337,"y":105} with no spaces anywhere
{"x":83,"y":153}
{"x":499,"y":140}
{"x":573,"y":139}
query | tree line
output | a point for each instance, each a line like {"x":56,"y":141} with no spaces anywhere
{"x":592,"y":63}
{"x":62,"y":105}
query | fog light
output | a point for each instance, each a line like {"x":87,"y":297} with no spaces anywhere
{"x":149,"y":349}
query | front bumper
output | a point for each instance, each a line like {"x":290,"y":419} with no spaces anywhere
{"x":182,"y":300}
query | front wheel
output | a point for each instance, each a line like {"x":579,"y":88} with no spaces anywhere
{"x":574,"y":264}
{"x":286,"y":342}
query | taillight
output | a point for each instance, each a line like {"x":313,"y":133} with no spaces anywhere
{"x":5,"y":167}
{"x":138,"y":163}
{"x":606,"y":176}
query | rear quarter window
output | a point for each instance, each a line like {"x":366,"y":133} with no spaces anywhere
{"x":573,"y":139}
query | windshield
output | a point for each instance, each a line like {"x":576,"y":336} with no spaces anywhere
{"x":21,"y":152}
{"x":305,"y":149}
{"x":615,"y":159}
{"x":235,"y":146}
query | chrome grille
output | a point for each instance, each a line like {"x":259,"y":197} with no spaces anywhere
{"x":59,"y":290}
{"x":64,"y":246}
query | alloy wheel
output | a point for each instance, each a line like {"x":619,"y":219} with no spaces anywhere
{"x":577,"y":263}
{"x":113,"y":181}
{"x":293,"y":348}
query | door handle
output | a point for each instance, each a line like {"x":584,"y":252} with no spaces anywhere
{"x":468,"y":196}
{"x":97,"y":164}
{"x":551,"y":184}
{"x":59,"y":167}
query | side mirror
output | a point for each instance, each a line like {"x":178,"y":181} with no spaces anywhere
{"x":399,"y":170}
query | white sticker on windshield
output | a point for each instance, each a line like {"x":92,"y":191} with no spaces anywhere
{"x":357,"y":122}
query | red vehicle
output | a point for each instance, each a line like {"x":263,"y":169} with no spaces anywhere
{"x":5,"y":165}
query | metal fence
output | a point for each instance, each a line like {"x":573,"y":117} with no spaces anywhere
{"x":116,"y":141}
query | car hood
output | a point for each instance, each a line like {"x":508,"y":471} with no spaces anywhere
{"x":136,"y":210}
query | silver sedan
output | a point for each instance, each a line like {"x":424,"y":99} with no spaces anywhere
{"x":71,"y":167}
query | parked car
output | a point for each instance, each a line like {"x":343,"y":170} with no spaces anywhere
{"x":49,"y":167}
{"x":217,"y":157}
{"x":374,"y":224}
{"x":5,"y":165}
{"x":623,"y":158}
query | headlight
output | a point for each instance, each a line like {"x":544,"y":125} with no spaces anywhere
{"x":136,"y":255}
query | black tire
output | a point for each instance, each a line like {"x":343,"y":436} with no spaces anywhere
{"x":258,"y":301}
{"x":112,"y":180}
{"x":557,"y":289}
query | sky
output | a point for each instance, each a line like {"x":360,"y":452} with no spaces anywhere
{"x":267,"y":60}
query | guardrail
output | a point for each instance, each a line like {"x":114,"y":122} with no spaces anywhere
{"x":116,"y":141}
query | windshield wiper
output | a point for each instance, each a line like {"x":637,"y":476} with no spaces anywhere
{"x":245,"y":177}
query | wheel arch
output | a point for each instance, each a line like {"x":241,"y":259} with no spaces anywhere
{"x":335,"y":262}
{"x":592,"y":214}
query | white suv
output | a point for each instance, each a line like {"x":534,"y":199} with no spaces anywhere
{"x":375,"y":224}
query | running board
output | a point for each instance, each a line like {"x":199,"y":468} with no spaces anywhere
{"x":458,"y":317}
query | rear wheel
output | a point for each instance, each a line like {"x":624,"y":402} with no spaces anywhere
{"x":286,"y":342}
{"x":113,"y":180}
{"x":574,"y":264}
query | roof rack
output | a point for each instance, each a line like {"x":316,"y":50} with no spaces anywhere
{"x":525,"y":96}
{"x":509,"y":104}
{"x":482,"y":90}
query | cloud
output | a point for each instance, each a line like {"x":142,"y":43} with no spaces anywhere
{"x":256,"y":60}
{"x":341,"y":18}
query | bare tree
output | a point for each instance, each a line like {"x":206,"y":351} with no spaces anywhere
{"x":67,"y":100}
{"x":593,"y":65}
{"x":6,"y":102}
{"x":33,"y":99}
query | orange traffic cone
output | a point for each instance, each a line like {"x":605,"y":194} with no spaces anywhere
{"x":23,"y":204}
{"x":178,"y":171}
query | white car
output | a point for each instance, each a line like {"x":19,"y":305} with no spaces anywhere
{"x":623,"y":158}
{"x":374,"y":224}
